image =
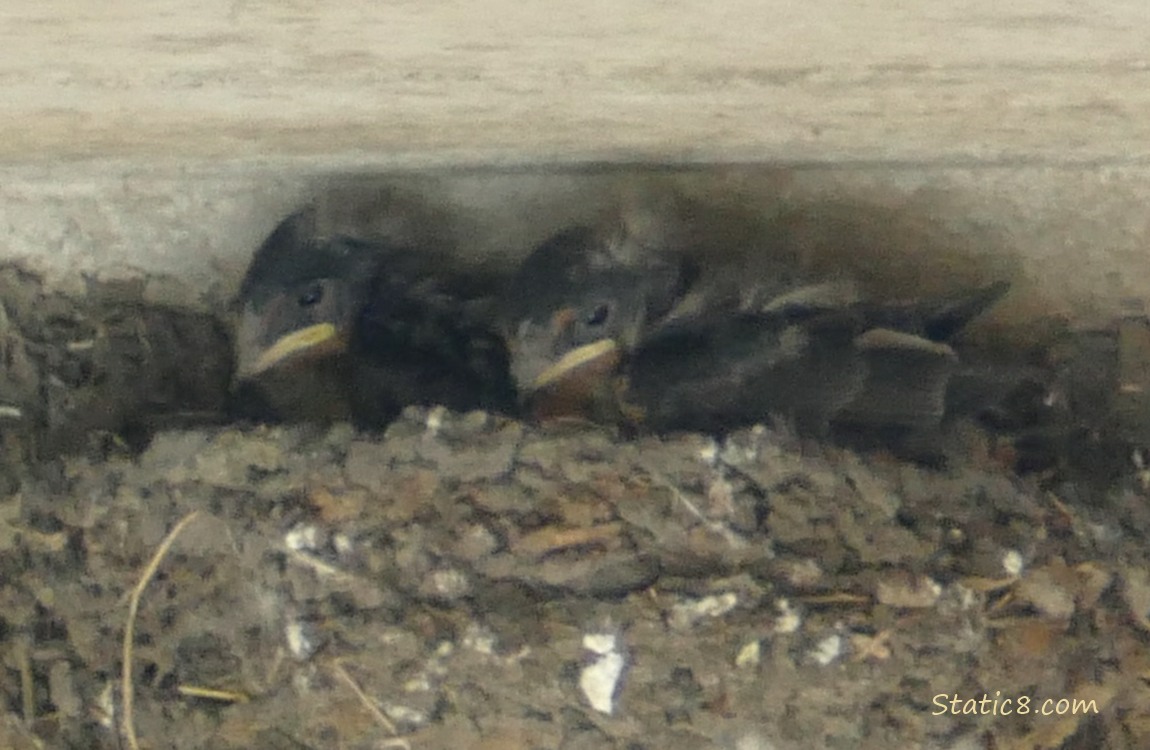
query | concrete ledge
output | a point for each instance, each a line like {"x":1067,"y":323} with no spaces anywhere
{"x":166,"y":139}
{"x":823,"y":80}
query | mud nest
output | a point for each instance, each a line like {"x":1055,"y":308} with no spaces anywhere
{"x":465,"y":580}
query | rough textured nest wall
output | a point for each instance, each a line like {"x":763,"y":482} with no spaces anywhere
{"x":460,"y":569}
{"x":75,"y":372}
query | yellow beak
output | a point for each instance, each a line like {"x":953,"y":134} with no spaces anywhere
{"x":577,"y":358}
{"x":311,"y":338}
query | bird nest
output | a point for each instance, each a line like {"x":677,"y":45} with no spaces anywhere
{"x":465,"y":579}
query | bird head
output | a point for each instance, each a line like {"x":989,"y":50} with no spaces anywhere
{"x":577,"y":305}
{"x":300,"y":299}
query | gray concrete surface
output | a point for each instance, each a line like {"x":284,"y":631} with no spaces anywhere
{"x":166,"y":137}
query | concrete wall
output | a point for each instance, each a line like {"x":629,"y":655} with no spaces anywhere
{"x":168,"y":137}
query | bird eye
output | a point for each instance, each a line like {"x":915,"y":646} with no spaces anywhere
{"x":312,"y":296}
{"x":599,"y":315}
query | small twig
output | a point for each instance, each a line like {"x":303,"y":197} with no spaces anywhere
{"x":212,"y":694}
{"x":27,"y":681}
{"x":714,"y":527}
{"x":380,"y":718}
{"x":317,"y":565}
{"x":127,"y":726}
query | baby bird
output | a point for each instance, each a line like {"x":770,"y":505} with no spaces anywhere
{"x":335,"y":327}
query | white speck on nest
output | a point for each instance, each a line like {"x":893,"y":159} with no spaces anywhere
{"x":789,"y":620}
{"x":1012,"y":563}
{"x":405,"y":714}
{"x":479,"y":639}
{"x":105,"y":708}
{"x":709,"y":453}
{"x":686,"y":614}
{"x":343,"y":544}
{"x":827,"y":650}
{"x":298,"y":640}
{"x":302,"y":537}
{"x":599,"y":680}
{"x":421,"y":683}
{"x":435,"y":419}
{"x":749,"y":655}
{"x":449,"y":583}
{"x":736,"y":453}
{"x":754,"y":742}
